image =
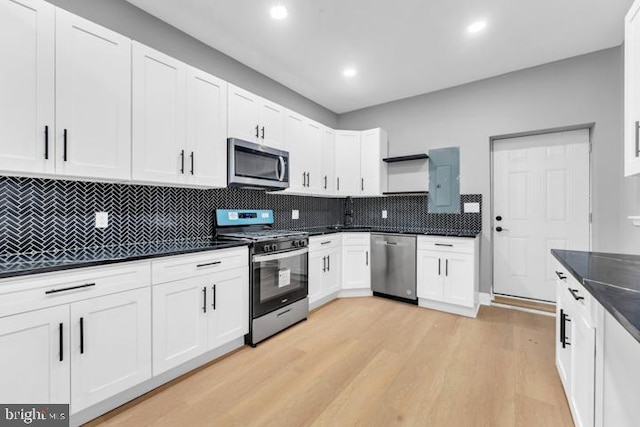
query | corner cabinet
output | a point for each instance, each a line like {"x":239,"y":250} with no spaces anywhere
{"x":447,"y":274}
{"x":179,"y":122}
{"x":632,"y":91}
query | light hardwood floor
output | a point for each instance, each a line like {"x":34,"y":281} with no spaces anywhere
{"x":373,"y":362}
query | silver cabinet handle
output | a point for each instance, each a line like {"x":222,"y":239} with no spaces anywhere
{"x":324,"y":264}
{"x":281,"y":168}
{"x":328,"y":262}
{"x":367,"y":254}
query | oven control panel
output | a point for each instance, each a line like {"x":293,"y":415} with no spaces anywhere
{"x":280,"y":245}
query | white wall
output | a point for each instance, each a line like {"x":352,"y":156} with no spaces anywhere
{"x":574,"y":91}
{"x":132,"y":22}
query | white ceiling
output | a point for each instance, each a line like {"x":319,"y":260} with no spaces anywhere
{"x":400,"y":48}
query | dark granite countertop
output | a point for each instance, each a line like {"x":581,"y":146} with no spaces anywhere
{"x":612,"y":279}
{"x":13,"y":266}
{"x":318,"y":231}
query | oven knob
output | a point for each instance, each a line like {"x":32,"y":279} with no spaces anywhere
{"x":266,"y":248}
{"x":303,"y":243}
{"x":295,"y":243}
{"x":274,"y":247}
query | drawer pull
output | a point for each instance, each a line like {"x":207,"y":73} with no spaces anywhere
{"x":55,"y":291}
{"x":284,"y":312}
{"x":444,"y":244}
{"x":82,"y":335}
{"x":574,"y":293}
{"x":208,"y":264}
{"x":326,"y":243}
{"x":61,"y":341}
{"x":560,"y":275}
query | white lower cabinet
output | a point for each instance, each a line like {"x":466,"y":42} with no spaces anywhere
{"x":447,"y":274}
{"x":576,"y":348}
{"x":207,"y":308}
{"x":356,"y":271}
{"x":325,"y":269}
{"x":110,"y":346}
{"x":35,"y":361}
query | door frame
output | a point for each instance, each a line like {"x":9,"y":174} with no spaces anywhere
{"x":493,"y":139}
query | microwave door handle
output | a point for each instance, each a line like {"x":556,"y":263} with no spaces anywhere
{"x":281,"y":167}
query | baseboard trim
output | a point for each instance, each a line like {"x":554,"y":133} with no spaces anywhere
{"x":324,"y":300}
{"x":355,"y":293}
{"x":526,"y":310}
{"x":484,"y":298}
{"x":128,"y":395}
{"x":450,"y":308}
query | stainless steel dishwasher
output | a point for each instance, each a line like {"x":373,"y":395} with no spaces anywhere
{"x":393,"y":266}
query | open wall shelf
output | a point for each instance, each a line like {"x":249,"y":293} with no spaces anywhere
{"x":405,"y":158}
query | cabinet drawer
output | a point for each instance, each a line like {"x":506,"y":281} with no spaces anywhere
{"x":185,"y":266}
{"x":581,"y":299}
{"x":46,"y":290}
{"x":317,"y":243}
{"x":446,"y":244}
{"x":353,"y":239}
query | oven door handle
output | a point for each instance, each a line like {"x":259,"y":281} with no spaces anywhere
{"x":280,"y":255}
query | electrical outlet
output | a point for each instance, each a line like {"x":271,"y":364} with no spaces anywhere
{"x":472,"y":207}
{"x":295,"y":214}
{"x":102,"y":219}
{"x":384,"y":214}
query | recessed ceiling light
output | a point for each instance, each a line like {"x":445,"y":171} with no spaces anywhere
{"x":477,"y":27}
{"x":349,"y":72}
{"x":279,"y":12}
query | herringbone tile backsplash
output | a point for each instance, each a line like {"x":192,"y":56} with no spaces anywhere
{"x":42,"y":215}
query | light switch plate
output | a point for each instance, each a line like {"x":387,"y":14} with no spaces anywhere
{"x":473,"y":207}
{"x":295,"y":214}
{"x":384,"y":214}
{"x":102,"y":219}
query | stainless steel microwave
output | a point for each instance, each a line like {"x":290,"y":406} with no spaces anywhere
{"x":255,"y":166}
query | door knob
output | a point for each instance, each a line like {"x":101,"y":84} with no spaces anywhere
{"x":498,"y":218}
{"x":499,"y":229}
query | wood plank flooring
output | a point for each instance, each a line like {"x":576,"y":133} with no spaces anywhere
{"x":373,"y":362}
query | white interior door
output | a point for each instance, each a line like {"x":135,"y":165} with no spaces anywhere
{"x":541,"y":202}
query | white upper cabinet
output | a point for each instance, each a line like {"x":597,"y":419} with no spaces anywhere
{"x":328,"y":162}
{"x":294,"y":131}
{"x":206,"y":129}
{"x":271,"y":124}
{"x":93,"y":100}
{"x":347,"y":163}
{"x":313,"y":155}
{"x":373,"y":180}
{"x":179,"y":122}
{"x":254,"y":119}
{"x":27,"y":74}
{"x":632,"y":91}
{"x":159,"y":116}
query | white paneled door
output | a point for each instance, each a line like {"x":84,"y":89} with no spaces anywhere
{"x":541,"y":202}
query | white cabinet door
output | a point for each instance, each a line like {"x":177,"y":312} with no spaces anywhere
{"x":93,"y":100}
{"x":372,"y":168}
{"x":229,"y":318}
{"x":27,"y":76}
{"x":294,"y":137}
{"x":429,"y":276}
{"x":271,"y":121}
{"x":34,"y":361}
{"x":313,"y":156}
{"x":347,"y":163}
{"x":206,"y":129}
{"x":244,"y":110}
{"x":563,"y":335}
{"x":111,"y":345}
{"x":159,"y":118}
{"x":458,"y":274}
{"x":357,"y":271}
{"x":328,"y":161}
{"x":179,"y":322}
{"x":583,"y":346}
{"x":632,"y":91}
{"x":333,"y":274}
{"x":317,"y":272}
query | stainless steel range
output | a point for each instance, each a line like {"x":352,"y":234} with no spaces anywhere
{"x":279,"y":270}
